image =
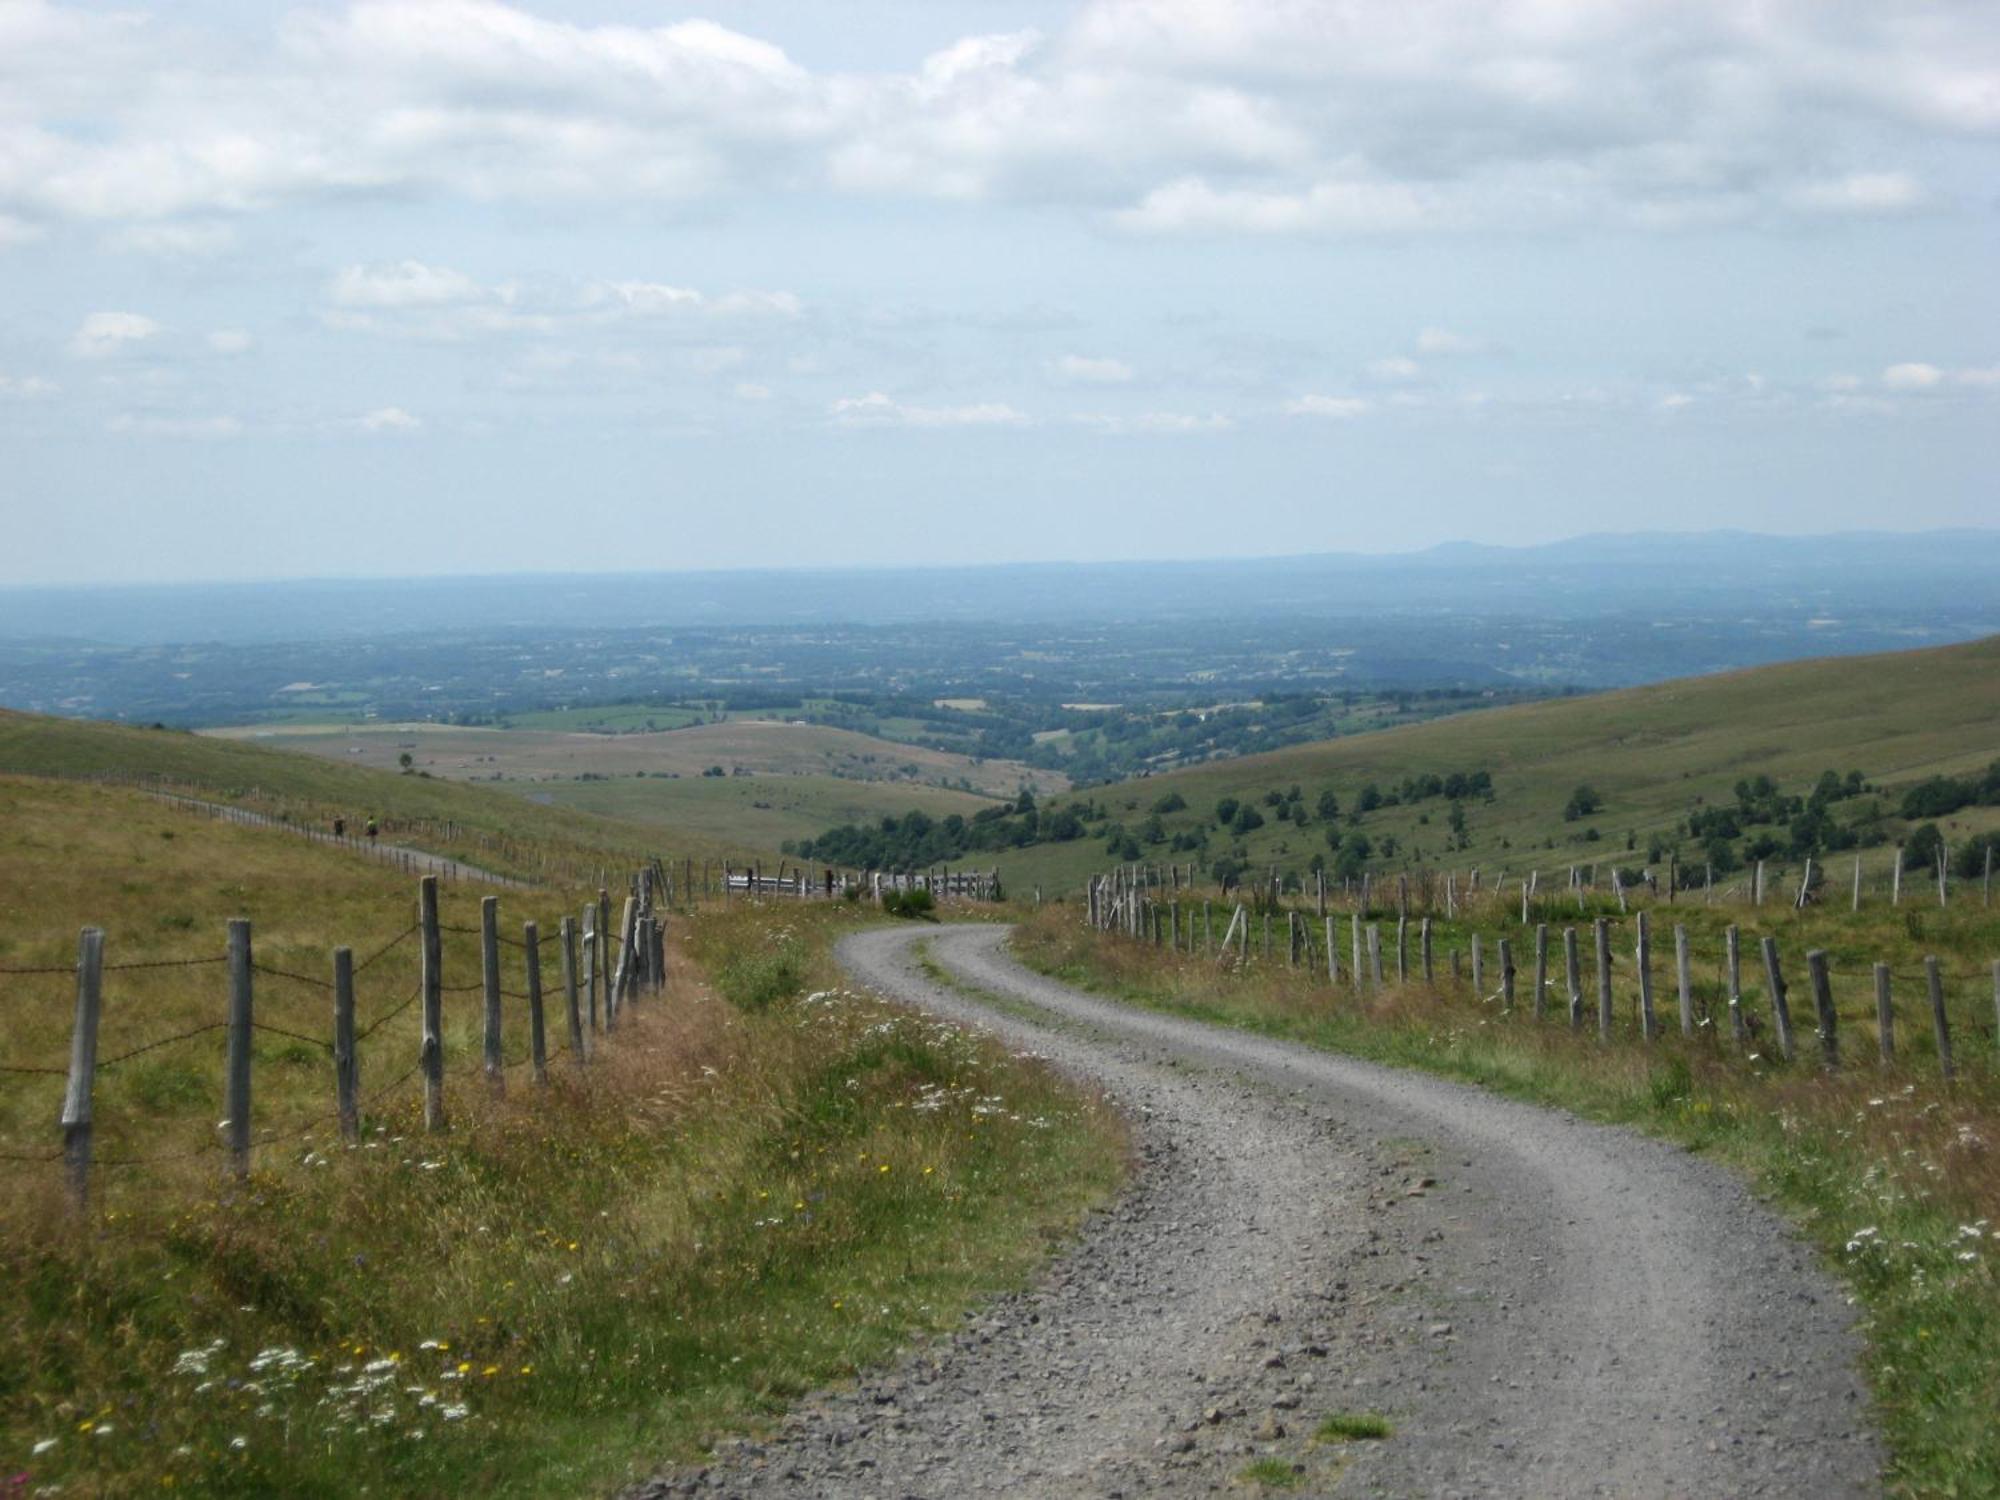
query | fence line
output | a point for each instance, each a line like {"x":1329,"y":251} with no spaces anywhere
{"x":624,"y":969}
{"x":1121,"y":903}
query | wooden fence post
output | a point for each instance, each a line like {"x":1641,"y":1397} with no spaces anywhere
{"x":431,"y":1057}
{"x":1333,"y":954}
{"x":346,"y":1065}
{"x":1601,"y":931}
{"x":489,"y":974}
{"x":1996,"y":999}
{"x":1940,"y":1021}
{"x":1573,"y":977}
{"x":1739,"y":1024}
{"x":625,"y":975}
{"x":1375,"y":954}
{"x":1684,"y":978}
{"x":604,"y":944}
{"x":579,"y":1035}
{"x":1643,"y":959}
{"x":1478,"y":971}
{"x":538,"y":1048}
{"x":1781,"y":1007}
{"x":1424,"y":946}
{"x":1541,"y":1002}
{"x":1829,"y":1021}
{"x":590,"y":962}
{"x":76,"y":1110}
{"x":1403,"y":944}
{"x":236,"y":1070}
{"x":1506,"y":975}
{"x":1355,"y":924}
{"x":1885,"y":1016}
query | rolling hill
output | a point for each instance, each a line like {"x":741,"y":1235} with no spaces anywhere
{"x":1651,"y":754}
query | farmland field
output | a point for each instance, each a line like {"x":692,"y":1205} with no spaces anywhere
{"x":750,"y":747}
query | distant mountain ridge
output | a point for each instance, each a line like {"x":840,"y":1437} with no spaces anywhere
{"x":1933,"y":586}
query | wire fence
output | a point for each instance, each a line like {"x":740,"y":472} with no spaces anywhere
{"x":1630,"y":973}
{"x":583,"y":973}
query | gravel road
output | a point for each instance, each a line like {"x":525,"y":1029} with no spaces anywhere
{"x":1540,"y":1306}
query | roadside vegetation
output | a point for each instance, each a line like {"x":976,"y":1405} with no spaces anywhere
{"x":1893,"y":1174}
{"x":760,"y":1184}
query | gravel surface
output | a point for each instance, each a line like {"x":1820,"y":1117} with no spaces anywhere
{"x":1540,"y":1306}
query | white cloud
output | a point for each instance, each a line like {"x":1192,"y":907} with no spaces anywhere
{"x":1086,"y":370}
{"x":388,"y":419}
{"x":230,"y":341}
{"x":1341,"y":408}
{"x":1395,"y":368}
{"x":1169,"y":116}
{"x":103,"y":334}
{"x":1166,"y":422}
{"x":878,"y":410}
{"x":1675,"y":401}
{"x":26,"y":387}
{"x":749,"y":390}
{"x":1862,"y":193}
{"x":405,"y":284}
{"x":1441,"y":341}
{"x":1988,"y":377}
{"x":177,"y":427}
{"x":178,"y":241}
{"x":1912,"y":377}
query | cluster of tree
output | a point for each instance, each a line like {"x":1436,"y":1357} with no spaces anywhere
{"x":916,"y":839}
{"x":1773,"y":823}
{"x":1926,"y":845}
{"x":1942,"y":796}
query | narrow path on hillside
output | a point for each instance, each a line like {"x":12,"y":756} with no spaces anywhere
{"x":1540,"y":1306}
{"x":419,"y":861}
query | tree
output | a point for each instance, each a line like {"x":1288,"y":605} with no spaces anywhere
{"x":1246,"y":819}
{"x":1328,"y":805}
{"x":406,"y":760}
{"x":1225,"y":810}
{"x":1584,"y":801}
{"x":1923,"y":848}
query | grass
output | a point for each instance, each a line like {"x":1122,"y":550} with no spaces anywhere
{"x":1272,"y":1474}
{"x":749,"y":813}
{"x":1353,"y":1426}
{"x":1893,"y":1175}
{"x":1652,"y":752}
{"x":762,"y":747}
{"x":506,"y":834}
{"x":762,"y":1184}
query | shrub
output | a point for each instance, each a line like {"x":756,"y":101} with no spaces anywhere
{"x":757,"y":981}
{"x":915,"y":904}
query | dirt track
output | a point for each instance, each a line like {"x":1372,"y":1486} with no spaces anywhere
{"x":1542,"y":1307}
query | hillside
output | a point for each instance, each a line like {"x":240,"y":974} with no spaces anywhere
{"x":492,"y":831}
{"x":1651,"y":754}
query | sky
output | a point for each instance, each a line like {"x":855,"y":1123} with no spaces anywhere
{"x":407,"y":287}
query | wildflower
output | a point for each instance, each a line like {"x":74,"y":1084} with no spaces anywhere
{"x":44,"y":1445}
{"x":239,"y":1443}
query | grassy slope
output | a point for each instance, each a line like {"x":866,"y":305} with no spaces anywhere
{"x":1895,"y":1177}
{"x":761,"y":747}
{"x":756,"y":812}
{"x":1651,"y":751}
{"x":310,"y":788}
{"x":740,"y":1204}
